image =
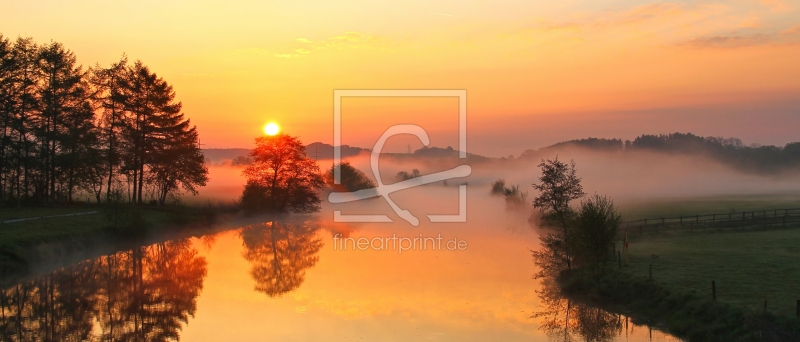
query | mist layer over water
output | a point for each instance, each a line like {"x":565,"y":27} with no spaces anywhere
{"x":631,"y":179}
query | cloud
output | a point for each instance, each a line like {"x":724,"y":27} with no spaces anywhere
{"x":729,"y":41}
{"x":787,"y":37}
{"x":340,"y":42}
{"x":776,"y":5}
{"x":641,"y":14}
{"x":637,"y":15}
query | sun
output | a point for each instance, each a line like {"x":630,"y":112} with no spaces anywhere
{"x":272,"y":128}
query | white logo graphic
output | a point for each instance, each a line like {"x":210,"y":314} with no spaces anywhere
{"x":384,"y":190}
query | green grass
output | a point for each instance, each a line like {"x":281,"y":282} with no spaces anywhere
{"x":684,"y":314}
{"x":28,"y":212}
{"x":31,"y":232}
{"x":707,"y":205}
{"x":747,"y":266}
{"x":21,"y":242}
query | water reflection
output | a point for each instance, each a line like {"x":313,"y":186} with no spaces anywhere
{"x":263,"y":273}
{"x":279,"y":254}
{"x":144,"y":294}
{"x":567,"y":320}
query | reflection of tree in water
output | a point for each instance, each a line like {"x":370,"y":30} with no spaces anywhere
{"x":144,"y":294}
{"x":567,"y":320}
{"x":279,"y":254}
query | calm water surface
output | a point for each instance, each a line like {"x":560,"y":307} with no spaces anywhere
{"x":291,"y":281}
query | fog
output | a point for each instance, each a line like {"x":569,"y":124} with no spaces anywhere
{"x":631,"y":179}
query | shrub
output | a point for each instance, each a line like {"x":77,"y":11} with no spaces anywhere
{"x":352,"y":179}
{"x":402,"y":175}
{"x":499,"y":187}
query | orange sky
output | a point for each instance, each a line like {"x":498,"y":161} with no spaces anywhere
{"x":535,"y":73}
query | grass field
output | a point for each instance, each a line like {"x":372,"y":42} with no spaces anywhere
{"x":31,"y":232}
{"x":28,"y":212}
{"x":706,"y":205}
{"x":748,"y":267}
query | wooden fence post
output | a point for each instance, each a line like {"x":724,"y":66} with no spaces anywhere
{"x":714,"y":291}
{"x":619,"y":258}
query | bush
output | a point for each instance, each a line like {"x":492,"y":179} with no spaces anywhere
{"x":352,"y":179}
{"x":594,"y":232}
{"x":402,"y":175}
{"x":124,"y":219}
{"x":126,"y":222}
{"x":515,"y":196}
{"x":499,"y":187}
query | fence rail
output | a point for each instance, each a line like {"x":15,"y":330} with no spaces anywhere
{"x":757,"y":218}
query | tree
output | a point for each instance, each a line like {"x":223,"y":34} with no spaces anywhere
{"x":281,"y":178}
{"x":558,"y":186}
{"x":20,"y":106}
{"x":352,"y":179}
{"x":7,"y":102}
{"x":110,"y":97}
{"x":595,"y":230}
{"x":53,"y":147}
{"x":159,"y":141}
{"x":65,"y":118}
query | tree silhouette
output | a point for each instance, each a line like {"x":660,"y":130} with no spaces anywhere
{"x":279,"y":254}
{"x":160,"y":138}
{"x":594,"y":233}
{"x":559,"y":185}
{"x":281,"y":178}
{"x":54,"y":144}
{"x":352,"y":179}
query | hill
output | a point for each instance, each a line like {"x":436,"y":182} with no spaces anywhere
{"x":315,"y":150}
{"x":730,"y":151}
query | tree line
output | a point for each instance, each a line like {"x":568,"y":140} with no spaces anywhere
{"x":731,"y":151}
{"x":112,"y":133}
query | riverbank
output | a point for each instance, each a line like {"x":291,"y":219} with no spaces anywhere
{"x":31,"y":236}
{"x":748,"y":268}
{"x":686,"y":315}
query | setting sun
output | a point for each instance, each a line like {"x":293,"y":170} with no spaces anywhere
{"x":271,"y":128}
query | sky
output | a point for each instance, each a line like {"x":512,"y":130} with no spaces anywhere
{"x":535,"y":72}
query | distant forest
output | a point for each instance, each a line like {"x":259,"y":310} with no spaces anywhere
{"x":116,"y":133}
{"x":731,"y":151}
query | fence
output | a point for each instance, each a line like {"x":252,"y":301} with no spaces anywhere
{"x":758,"y":218}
